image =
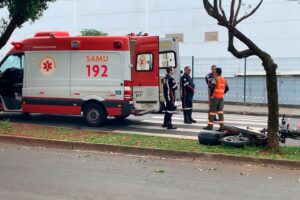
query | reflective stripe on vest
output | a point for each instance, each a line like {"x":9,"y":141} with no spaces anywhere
{"x":220,"y":88}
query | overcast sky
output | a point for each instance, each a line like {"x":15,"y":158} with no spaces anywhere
{"x":275,"y":26}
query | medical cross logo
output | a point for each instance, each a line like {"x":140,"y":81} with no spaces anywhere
{"x":47,"y":66}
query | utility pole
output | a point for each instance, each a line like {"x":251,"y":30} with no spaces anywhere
{"x":147,"y":16}
{"x":75,"y":16}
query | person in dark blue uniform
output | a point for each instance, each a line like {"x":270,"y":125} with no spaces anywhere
{"x":210,"y":78}
{"x":187,"y":94}
{"x":170,"y":86}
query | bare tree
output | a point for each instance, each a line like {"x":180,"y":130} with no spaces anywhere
{"x":215,"y":10}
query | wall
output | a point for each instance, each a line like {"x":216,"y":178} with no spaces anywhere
{"x":278,"y":34}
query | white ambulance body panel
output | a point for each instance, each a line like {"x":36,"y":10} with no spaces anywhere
{"x":99,"y":75}
{"x":78,"y":75}
{"x":47,"y":79}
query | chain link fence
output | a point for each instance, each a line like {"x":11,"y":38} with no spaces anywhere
{"x":246,"y":78}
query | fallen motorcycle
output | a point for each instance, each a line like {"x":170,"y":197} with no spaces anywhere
{"x":240,"y":137}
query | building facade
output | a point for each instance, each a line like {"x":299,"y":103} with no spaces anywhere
{"x":274,"y":27}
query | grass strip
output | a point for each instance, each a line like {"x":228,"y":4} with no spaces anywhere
{"x":95,"y":137}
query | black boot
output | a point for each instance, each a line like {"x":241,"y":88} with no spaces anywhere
{"x":186,"y":117}
{"x":165,"y":124}
{"x":208,"y":127}
{"x":221,"y":128}
{"x":190,"y":116}
{"x":170,"y":126}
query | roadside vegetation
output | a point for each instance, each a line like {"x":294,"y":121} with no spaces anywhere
{"x":92,"y":32}
{"x":5,"y":126}
{"x":132,"y":140}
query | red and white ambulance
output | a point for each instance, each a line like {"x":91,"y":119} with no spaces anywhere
{"x":92,"y":76}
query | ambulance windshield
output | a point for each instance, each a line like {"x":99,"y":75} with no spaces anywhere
{"x":12,"y":61}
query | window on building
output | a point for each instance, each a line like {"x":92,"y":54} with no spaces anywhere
{"x":178,"y":36}
{"x":211,"y":36}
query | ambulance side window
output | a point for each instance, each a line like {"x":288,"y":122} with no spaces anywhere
{"x":144,"y":62}
{"x":167,"y":59}
{"x":12,"y":61}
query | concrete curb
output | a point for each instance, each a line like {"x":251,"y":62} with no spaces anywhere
{"x":145,"y":151}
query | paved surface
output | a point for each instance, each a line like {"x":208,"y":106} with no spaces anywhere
{"x":250,"y":109}
{"x":149,"y":124}
{"x":38,"y":173}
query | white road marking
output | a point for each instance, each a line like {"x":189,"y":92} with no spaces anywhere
{"x":205,"y":120}
{"x":174,"y":122}
{"x":164,"y":129}
{"x":230,"y":117}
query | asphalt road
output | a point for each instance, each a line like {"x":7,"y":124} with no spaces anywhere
{"x":147,"y":124}
{"x":31,"y":173}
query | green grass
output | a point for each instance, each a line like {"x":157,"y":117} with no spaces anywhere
{"x":5,"y":126}
{"x":63,"y":131}
{"x":289,"y":153}
{"x":185,"y":145}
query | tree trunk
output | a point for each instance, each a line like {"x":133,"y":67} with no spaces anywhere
{"x":273,"y":116}
{"x":8,"y":32}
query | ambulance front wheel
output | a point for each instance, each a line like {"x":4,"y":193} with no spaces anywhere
{"x":94,"y":115}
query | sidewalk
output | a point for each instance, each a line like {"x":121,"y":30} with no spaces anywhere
{"x":257,"y":110}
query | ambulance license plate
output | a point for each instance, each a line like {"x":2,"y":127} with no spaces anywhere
{"x":147,"y":106}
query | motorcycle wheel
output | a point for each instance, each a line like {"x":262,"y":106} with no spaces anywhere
{"x":236,"y":140}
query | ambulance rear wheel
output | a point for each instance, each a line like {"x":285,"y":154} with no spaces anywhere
{"x":94,"y":115}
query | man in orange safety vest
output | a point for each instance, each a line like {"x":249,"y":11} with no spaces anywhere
{"x":219,"y":88}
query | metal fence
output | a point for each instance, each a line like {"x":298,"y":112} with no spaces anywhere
{"x":246,"y":78}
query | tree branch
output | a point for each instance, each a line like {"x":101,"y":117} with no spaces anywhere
{"x":208,"y":7}
{"x":237,"y":12}
{"x":211,"y":11}
{"x":216,"y":6}
{"x":238,"y":54}
{"x":222,"y":10}
{"x":231,"y":12}
{"x":251,"y":13}
{"x":234,"y":32}
{"x":8,"y":32}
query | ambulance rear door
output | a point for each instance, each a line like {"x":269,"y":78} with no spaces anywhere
{"x":169,"y":57}
{"x":145,"y":74}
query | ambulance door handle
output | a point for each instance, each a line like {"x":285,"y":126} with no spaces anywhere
{"x":121,"y":84}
